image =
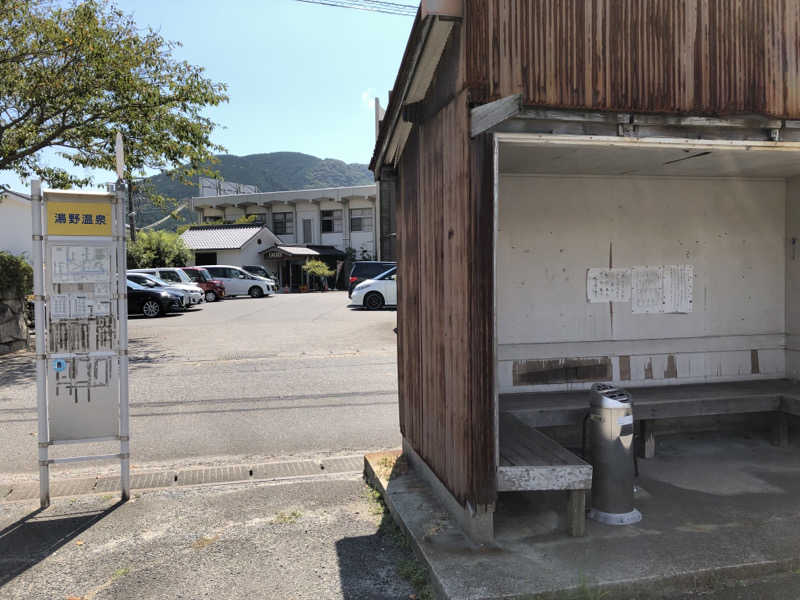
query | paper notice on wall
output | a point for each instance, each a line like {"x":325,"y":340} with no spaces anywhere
{"x":678,"y":288}
{"x":662,"y":289}
{"x":647,"y":290}
{"x":608,"y":285}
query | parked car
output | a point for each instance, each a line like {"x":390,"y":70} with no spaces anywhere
{"x":239,"y":282}
{"x":152,"y":302}
{"x":195,"y":293}
{"x":366,"y":269}
{"x":260,"y":271}
{"x":214,"y":289}
{"x":148,"y":281}
{"x":376,"y":293}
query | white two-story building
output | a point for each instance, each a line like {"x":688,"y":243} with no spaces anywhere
{"x":342,"y":217}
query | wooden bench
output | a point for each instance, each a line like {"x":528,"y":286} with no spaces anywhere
{"x":531,"y":461}
{"x":779,"y":396}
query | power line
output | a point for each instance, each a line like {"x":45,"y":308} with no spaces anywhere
{"x":380,"y":6}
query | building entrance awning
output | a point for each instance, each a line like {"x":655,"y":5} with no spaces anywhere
{"x":289,"y":252}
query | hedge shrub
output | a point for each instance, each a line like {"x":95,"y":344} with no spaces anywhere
{"x":16,"y":275}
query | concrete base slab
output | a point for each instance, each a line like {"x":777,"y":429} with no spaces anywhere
{"x":719,"y":513}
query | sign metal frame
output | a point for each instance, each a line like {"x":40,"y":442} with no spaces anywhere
{"x":112,"y":238}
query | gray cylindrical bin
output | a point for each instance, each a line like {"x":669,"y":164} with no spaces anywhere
{"x":611,"y":416}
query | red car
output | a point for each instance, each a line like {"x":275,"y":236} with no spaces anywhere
{"x":214,"y":289}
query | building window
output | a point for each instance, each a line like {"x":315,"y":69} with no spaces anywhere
{"x":331,"y":221}
{"x":259,"y":218}
{"x":282,"y":223}
{"x":361,"y":219}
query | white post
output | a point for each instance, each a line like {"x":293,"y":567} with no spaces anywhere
{"x":41,"y":357}
{"x":122,"y":314}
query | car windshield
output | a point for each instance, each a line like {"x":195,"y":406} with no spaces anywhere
{"x":387,"y":274}
{"x":135,"y":286}
{"x":182,"y":276}
{"x":261,"y":271}
{"x":161,"y":282}
{"x":146,"y":280}
{"x":199,"y":275}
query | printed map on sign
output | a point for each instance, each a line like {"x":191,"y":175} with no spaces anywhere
{"x":81,"y":264}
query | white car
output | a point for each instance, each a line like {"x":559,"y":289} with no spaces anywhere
{"x":376,"y":293}
{"x":239,"y":282}
{"x":175,"y":278}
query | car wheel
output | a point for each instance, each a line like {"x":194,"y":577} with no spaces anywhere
{"x":373,"y":301}
{"x":211,"y":296}
{"x":151,"y":309}
{"x":256,"y":292}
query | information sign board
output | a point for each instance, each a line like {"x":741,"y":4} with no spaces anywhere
{"x":81,"y":323}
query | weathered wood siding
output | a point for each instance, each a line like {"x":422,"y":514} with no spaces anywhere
{"x":445,"y":356}
{"x":703,"y":57}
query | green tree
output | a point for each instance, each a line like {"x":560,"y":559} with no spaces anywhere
{"x":16,"y":275}
{"x":317,"y":268}
{"x":157,"y":249}
{"x":71,"y":77}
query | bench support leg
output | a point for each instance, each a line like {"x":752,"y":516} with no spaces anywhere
{"x":646,"y":440}
{"x":576,"y":513}
{"x":780,"y":429}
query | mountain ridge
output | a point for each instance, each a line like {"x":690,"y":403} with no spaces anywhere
{"x":269,"y":171}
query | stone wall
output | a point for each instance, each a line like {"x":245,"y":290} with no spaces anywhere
{"x":13,"y":327}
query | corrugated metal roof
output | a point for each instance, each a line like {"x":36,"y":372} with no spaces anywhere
{"x":219,"y":237}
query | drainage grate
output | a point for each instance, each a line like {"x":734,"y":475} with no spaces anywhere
{"x":187,"y":477}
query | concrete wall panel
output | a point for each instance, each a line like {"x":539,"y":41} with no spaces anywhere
{"x":552,"y":229}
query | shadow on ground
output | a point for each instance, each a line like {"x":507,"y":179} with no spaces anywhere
{"x":37,"y":535}
{"x":389,"y":551}
{"x":145,"y":352}
{"x":18,"y":368}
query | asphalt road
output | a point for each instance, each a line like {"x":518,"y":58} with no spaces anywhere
{"x":239,"y":380}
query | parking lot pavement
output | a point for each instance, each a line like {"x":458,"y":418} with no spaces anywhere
{"x":285,"y":376}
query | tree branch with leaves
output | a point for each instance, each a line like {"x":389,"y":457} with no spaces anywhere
{"x":71,"y":77}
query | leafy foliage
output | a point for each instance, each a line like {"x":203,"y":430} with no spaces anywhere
{"x":16,"y":275}
{"x":71,"y":77}
{"x":157,"y":249}
{"x":317,"y":268}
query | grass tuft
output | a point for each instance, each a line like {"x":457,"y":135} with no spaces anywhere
{"x":283,"y":517}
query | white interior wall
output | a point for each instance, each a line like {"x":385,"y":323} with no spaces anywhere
{"x":551,"y":229}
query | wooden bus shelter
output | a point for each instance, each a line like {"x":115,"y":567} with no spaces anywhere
{"x":590,"y":191}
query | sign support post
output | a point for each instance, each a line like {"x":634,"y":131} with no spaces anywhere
{"x":122,"y":311}
{"x":41,"y":358}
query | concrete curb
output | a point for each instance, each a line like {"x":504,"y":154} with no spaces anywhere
{"x":669,"y":587}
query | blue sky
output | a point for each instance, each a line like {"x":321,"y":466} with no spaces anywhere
{"x":301,"y":77}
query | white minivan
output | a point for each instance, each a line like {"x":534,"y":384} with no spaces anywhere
{"x":239,"y":282}
{"x":376,"y":293}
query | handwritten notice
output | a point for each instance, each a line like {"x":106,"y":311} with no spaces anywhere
{"x":662,"y":289}
{"x":608,"y":285}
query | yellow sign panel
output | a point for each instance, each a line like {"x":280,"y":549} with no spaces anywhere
{"x":79,"y":218}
